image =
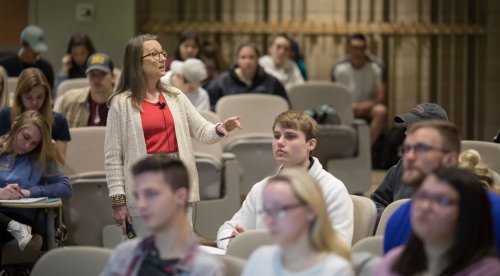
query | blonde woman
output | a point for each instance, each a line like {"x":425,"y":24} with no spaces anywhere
{"x":471,"y":159}
{"x":296,"y":216}
{"x":33,"y":93}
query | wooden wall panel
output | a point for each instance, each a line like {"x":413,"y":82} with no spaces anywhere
{"x":434,"y":50}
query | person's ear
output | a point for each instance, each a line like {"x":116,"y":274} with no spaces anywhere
{"x":181,"y":196}
{"x":311,"y":144}
{"x":311,"y":215}
{"x":450,"y":159}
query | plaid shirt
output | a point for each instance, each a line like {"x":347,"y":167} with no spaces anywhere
{"x":128,"y":258}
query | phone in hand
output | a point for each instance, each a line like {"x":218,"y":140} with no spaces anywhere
{"x":129,"y":230}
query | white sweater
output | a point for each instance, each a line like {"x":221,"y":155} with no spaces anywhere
{"x":125,"y":143}
{"x":338,"y":203}
{"x":266,"y":260}
{"x":288,"y":74}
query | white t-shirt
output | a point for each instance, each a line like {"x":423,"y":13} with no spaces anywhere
{"x":198,"y":98}
{"x":266,"y":260}
{"x":289,"y":74}
{"x":360,"y":81}
{"x":339,"y":207}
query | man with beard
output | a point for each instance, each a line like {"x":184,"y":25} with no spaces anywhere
{"x":393,"y":187}
{"x":429,"y":145}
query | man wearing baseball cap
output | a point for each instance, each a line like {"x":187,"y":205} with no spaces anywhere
{"x":188,"y":76}
{"x":392,"y":186}
{"x":87,"y":106}
{"x":32,"y":45}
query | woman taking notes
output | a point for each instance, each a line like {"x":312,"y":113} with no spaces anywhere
{"x":28,"y":168}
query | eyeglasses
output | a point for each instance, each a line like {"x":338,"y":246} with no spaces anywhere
{"x":280,"y":212}
{"x":439,"y":200}
{"x":156,"y":55}
{"x":419,"y":149}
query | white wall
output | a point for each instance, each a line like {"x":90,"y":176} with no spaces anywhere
{"x":112,"y":27}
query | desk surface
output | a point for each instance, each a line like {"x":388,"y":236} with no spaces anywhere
{"x":49,"y":203}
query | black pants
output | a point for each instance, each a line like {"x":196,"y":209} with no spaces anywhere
{"x":5,"y":218}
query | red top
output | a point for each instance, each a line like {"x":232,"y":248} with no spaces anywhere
{"x":158,"y":127}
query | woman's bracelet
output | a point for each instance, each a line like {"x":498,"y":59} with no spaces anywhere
{"x":118,"y":200}
{"x":220,"y":134}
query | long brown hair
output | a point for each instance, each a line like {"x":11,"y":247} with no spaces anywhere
{"x":132,"y":78}
{"x":27,"y":80}
{"x":44,"y":155}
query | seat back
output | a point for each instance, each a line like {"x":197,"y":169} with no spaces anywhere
{"x":88,"y":210}
{"x":257,"y":112}
{"x":72,"y":260}
{"x":315,"y":93}
{"x":386,"y":214}
{"x":208,"y":159}
{"x":234,"y":265}
{"x":365,"y":217}
{"x":11,"y":254}
{"x":490,"y":152}
{"x":85,"y":151}
{"x":373,"y":244}
{"x":69,"y":84}
{"x":11,"y":85}
{"x":243,"y":245}
{"x":335,"y":142}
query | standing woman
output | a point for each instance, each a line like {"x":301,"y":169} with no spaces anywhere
{"x":148,"y":118}
{"x":452,"y":229}
{"x":33,"y":93}
{"x":74,"y":62}
{"x":188,"y":46}
{"x":306,"y":243}
{"x":29,"y":167}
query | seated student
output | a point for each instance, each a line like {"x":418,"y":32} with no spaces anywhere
{"x":471,"y":159}
{"x":28,"y":168}
{"x":188,"y":76}
{"x":4,"y":90}
{"x":74,"y":62}
{"x":393,"y":186}
{"x":429,"y":145}
{"x":245,"y":77}
{"x":33,"y":93}
{"x":29,"y":55}
{"x":87,"y":106}
{"x":279,"y":64}
{"x":162,"y":192}
{"x":188,"y":45}
{"x":296,"y":216}
{"x":452,"y":230}
{"x":295,"y":135}
{"x":363,"y":74}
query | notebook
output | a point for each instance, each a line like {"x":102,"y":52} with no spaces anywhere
{"x":24,"y":200}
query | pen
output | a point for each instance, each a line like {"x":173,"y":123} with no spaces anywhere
{"x":227,"y":238}
{"x":21,"y":193}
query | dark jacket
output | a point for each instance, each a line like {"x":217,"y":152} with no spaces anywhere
{"x":229,"y":84}
{"x":391,"y":188}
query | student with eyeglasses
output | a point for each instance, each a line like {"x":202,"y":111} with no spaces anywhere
{"x":452,"y":229}
{"x":146,"y":117}
{"x":441,"y":150}
{"x":393,"y":186}
{"x":304,"y":241}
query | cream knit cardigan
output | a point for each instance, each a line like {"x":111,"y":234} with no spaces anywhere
{"x":125,"y":144}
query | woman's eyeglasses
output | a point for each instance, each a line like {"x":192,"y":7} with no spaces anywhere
{"x":156,"y":55}
{"x":280,"y":212}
